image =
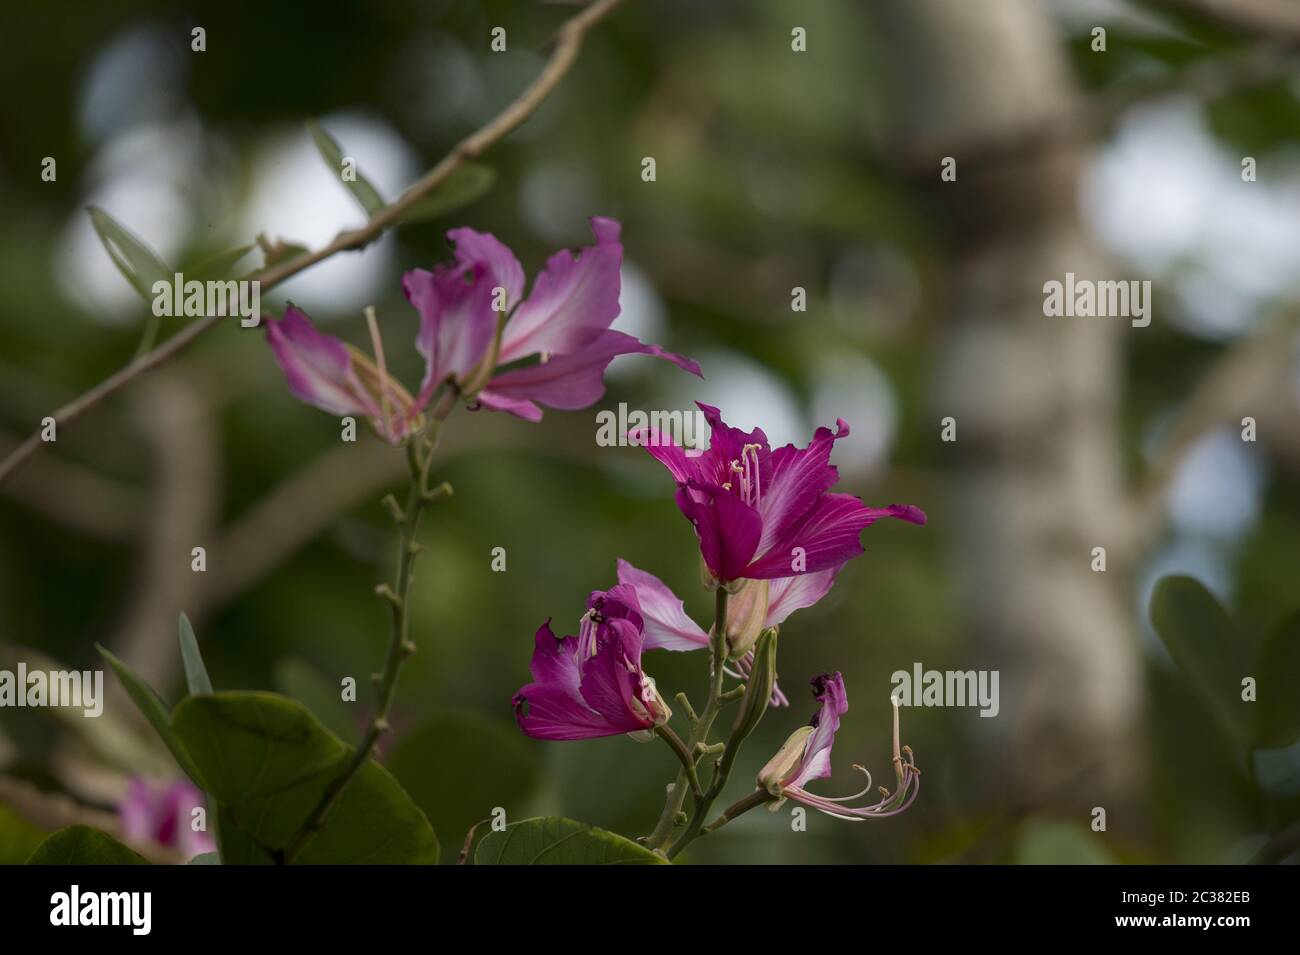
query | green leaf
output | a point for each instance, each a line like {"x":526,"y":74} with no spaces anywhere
{"x":206,"y":858}
{"x":1278,"y":685}
{"x":196,"y":674}
{"x":269,"y":761}
{"x":221,"y":265}
{"x":137,"y":262}
{"x":1200,"y":638}
{"x":459,"y":767}
{"x":366,"y":194}
{"x":552,"y":840}
{"x":295,"y":677}
{"x":469,"y":182}
{"x":82,"y":845}
{"x":148,"y":702}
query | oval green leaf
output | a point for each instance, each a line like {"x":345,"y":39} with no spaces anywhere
{"x":469,"y":182}
{"x":366,"y":195}
{"x":82,"y":845}
{"x":552,"y":840}
{"x":1201,"y":639}
{"x":138,"y":263}
{"x":269,"y":760}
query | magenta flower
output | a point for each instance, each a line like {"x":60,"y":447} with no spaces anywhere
{"x":563,"y":324}
{"x":161,"y":813}
{"x":767,"y":515}
{"x":592,"y":685}
{"x":806,"y":756}
{"x":668,"y":627}
{"x":339,"y":378}
{"x":552,"y":350}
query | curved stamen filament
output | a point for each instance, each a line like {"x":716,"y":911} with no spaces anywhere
{"x":857,"y":795}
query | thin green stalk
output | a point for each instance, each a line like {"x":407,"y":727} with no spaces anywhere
{"x":400,"y":647}
{"x":758,"y":797}
{"x":702,"y":803}
{"x":665,"y":733}
{"x":663,"y":829}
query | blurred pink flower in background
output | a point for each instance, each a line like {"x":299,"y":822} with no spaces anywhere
{"x":162,"y":812}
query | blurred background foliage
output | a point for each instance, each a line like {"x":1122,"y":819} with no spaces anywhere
{"x":774,"y":171}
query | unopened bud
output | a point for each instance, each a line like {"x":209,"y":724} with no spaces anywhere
{"x":746,"y":615}
{"x":783,"y":765}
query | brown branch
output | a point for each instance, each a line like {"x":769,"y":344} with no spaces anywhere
{"x":568,"y":43}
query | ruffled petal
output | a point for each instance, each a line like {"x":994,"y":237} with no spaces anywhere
{"x":727,"y":527}
{"x":611,"y":681}
{"x":575,"y":380}
{"x":788,"y":594}
{"x":519,"y":407}
{"x":573,"y":300}
{"x":816,"y":762}
{"x":317,"y":366}
{"x":827,"y":535}
{"x":794,"y":481}
{"x":456,"y":321}
{"x":484,"y":250}
{"x":552,"y":706}
{"x":667,"y":626}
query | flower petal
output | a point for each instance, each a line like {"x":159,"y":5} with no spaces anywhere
{"x":611,"y":680}
{"x":317,"y":366}
{"x":456,"y":321}
{"x":816,"y":762}
{"x":667,"y":626}
{"x":519,"y":407}
{"x":575,"y":380}
{"x":794,"y":481}
{"x":788,"y":594}
{"x":827,"y":535}
{"x":498,"y":263}
{"x":726,"y":445}
{"x":727,"y":527}
{"x":552,"y":707}
{"x":573,"y":300}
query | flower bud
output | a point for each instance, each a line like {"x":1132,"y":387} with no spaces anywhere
{"x":758,"y":688}
{"x":746,"y":616}
{"x":779,"y":768}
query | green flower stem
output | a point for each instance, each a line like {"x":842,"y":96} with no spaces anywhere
{"x":702,"y":803}
{"x":665,"y":733}
{"x":663,"y":830}
{"x":759,"y":797}
{"x":419,"y":456}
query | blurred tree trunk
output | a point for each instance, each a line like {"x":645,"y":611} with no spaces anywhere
{"x":1038,"y":477}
